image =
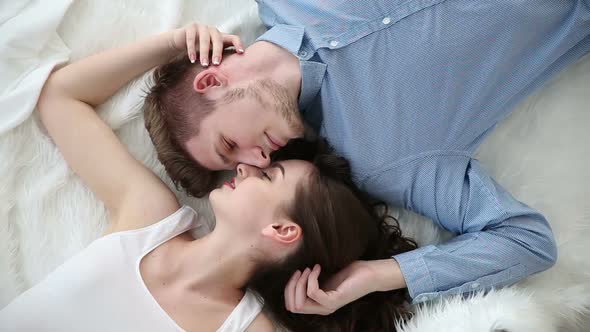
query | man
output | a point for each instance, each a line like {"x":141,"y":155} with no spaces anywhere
{"x":406,"y":90}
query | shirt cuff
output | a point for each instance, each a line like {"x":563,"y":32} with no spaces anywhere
{"x":415,"y":271}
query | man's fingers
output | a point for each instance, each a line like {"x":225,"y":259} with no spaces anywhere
{"x":204,"y":44}
{"x":290,"y":291}
{"x":217,"y":43}
{"x":191,"y":35}
{"x":312,"y":307}
{"x":314,"y":291}
{"x":313,"y":284}
{"x":301,"y":290}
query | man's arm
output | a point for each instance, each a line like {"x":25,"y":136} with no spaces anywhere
{"x":500,"y":240}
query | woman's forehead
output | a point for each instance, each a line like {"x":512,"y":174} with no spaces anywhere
{"x":295,"y":165}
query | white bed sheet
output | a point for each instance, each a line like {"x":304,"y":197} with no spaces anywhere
{"x":540,"y":153}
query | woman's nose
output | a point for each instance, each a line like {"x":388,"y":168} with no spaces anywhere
{"x":245,"y":170}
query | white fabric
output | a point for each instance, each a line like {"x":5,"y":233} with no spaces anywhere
{"x":101,"y":288}
{"x":30,"y":48}
{"x":47,"y":215}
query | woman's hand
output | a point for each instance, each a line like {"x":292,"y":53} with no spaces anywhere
{"x":187,"y":37}
{"x":303,"y":294}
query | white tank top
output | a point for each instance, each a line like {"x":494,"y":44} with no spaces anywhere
{"x":101,"y":289}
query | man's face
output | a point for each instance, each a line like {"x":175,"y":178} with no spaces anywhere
{"x":245,"y":130}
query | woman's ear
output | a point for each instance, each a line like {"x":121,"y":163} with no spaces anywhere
{"x":207,"y":79}
{"x":286,"y":232}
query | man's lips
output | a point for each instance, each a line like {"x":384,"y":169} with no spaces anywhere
{"x":274,"y":142}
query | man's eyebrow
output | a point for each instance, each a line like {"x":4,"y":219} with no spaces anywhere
{"x":279,"y":166}
{"x":223,"y":158}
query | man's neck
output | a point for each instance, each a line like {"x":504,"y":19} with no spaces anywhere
{"x":266,"y":60}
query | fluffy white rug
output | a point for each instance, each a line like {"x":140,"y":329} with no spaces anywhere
{"x":541,"y":153}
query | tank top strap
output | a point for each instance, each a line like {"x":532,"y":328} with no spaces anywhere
{"x":137,"y":242}
{"x":243,"y":314}
{"x":179,"y":222}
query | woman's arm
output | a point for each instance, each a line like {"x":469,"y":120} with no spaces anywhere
{"x":90,"y":147}
{"x":96,"y":78}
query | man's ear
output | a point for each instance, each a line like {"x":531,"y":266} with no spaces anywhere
{"x":207,"y":79}
{"x":286,"y":232}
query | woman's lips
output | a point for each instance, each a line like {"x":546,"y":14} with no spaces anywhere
{"x":231,"y":184}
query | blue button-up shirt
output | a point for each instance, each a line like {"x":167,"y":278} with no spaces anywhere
{"x":408,"y":89}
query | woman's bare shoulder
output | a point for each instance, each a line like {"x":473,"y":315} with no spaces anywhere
{"x":143,"y":209}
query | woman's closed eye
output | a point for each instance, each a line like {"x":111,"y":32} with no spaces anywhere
{"x":265,"y":175}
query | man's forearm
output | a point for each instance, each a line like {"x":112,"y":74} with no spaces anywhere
{"x":96,"y":78}
{"x":388,"y":275}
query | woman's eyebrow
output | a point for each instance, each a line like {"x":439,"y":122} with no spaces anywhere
{"x":279,"y":166}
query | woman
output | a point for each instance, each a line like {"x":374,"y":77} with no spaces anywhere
{"x":149,"y":273}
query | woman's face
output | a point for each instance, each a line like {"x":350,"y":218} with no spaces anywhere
{"x":258,"y":197}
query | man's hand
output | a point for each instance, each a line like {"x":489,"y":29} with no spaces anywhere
{"x":188,"y":36}
{"x":303,"y":293}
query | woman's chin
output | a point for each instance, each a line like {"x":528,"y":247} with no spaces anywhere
{"x":214,"y":193}
{"x":218,"y":192}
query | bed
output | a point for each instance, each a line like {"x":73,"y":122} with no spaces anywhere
{"x":541,"y":153}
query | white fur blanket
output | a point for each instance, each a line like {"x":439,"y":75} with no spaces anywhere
{"x":541,"y":154}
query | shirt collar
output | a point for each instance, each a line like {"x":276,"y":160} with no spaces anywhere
{"x":290,"y":37}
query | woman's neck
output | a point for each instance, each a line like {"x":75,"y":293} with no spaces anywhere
{"x":215,"y":266}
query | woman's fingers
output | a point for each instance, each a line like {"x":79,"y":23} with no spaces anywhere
{"x":217,"y":45}
{"x":190,"y":36}
{"x":234,"y":41}
{"x":209,"y":39}
{"x":204,"y":44}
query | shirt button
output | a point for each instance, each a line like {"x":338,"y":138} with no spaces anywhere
{"x":423,"y":298}
{"x":334,"y":43}
{"x":474,"y":285}
{"x":386,"y":20}
{"x":302,"y":54}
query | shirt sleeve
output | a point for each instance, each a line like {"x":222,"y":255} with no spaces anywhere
{"x":500,"y":240}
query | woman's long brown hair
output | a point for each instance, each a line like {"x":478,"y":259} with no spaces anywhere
{"x":340,"y":225}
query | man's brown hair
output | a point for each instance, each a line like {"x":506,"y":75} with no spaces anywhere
{"x":172,"y":114}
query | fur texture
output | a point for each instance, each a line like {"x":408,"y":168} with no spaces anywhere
{"x":540,"y":153}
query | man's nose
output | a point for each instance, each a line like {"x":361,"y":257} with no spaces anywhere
{"x":255,"y":156}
